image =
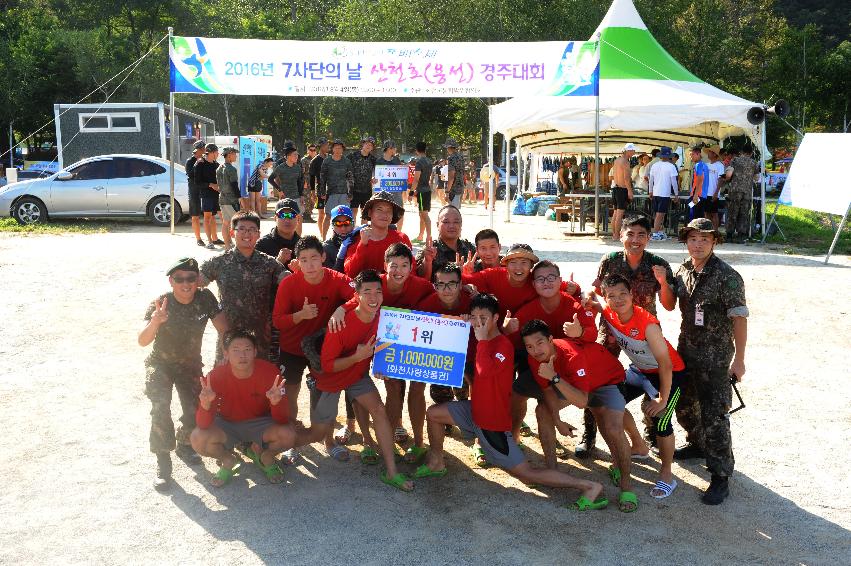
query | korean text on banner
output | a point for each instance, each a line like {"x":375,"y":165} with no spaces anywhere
{"x":421,"y":346}
{"x":423,"y":69}
{"x":392,"y":178}
{"x":247,"y":162}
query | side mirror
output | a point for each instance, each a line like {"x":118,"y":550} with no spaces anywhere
{"x":64,"y":176}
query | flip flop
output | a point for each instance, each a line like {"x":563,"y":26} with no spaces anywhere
{"x":400,"y":435}
{"x":647,"y":456}
{"x":369,"y":456}
{"x":585,"y":504}
{"x":338,"y":452}
{"x":615,"y":475}
{"x":224,"y":475}
{"x":525,"y":430}
{"x":666,"y":488}
{"x":425,"y":472}
{"x":344,"y":435}
{"x":627,"y":498}
{"x":290,"y":457}
{"x":479,"y":457}
{"x":273,"y":472}
{"x":397,"y":481}
{"x":414,"y":454}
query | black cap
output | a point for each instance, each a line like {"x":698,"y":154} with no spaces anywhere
{"x":388,"y":144}
{"x":198,"y":145}
{"x":338,"y":141}
{"x":228,"y":150}
{"x":289,"y":150}
{"x":210,"y":148}
{"x":321,"y":141}
{"x":183,"y":264}
{"x":287,"y":204}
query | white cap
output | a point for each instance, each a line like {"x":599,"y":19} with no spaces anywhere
{"x":630,"y":147}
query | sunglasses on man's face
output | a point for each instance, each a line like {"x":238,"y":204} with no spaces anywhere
{"x":181,"y":280}
{"x":342,"y":223}
{"x":285,"y":215}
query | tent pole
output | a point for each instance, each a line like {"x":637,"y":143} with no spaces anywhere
{"x":772,"y":221}
{"x":508,"y":179}
{"x":172,"y":135}
{"x":762,"y":156}
{"x":597,"y":161}
{"x":491,"y":195}
{"x":838,"y":233}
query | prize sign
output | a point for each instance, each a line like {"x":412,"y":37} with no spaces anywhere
{"x":421,"y":346}
{"x":392,"y":178}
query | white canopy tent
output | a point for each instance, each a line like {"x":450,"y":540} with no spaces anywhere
{"x":645,"y":97}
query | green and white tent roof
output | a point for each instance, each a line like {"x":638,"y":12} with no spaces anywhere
{"x":646,"y":97}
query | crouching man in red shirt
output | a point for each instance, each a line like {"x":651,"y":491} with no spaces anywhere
{"x":242,"y":401}
{"x":345,"y":361}
{"x":584,"y":375}
{"x":487,"y":415}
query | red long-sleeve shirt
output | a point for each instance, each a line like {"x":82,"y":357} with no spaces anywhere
{"x":242,"y":399}
{"x":490,"y":396}
{"x":341,"y":345}
{"x":371,"y":255}
{"x":556,"y":319}
{"x":334,"y":290}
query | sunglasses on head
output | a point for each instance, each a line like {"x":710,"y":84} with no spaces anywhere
{"x":181,"y":280}
{"x":286,"y":215}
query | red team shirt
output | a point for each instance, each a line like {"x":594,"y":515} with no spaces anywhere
{"x":494,"y":280}
{"x":343,"y":344}
{"x":490,"y":395}
{"x":334,"y":290}
{"x":371,"y":256}
{"x":243,"y":399}
{"x":632,"y":338}
{"x":414,"y":290}
{"x":585,"y":366}
{"x":556,"y":319}
{"x":432,"y":304}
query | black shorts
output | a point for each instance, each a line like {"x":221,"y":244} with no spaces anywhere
{"x":620,"y":197}
{"x":424,"y":201}
{"x":320,"y":203}
{"x":210,"y":204}
{"x":292,"y":366}
{"x":661,"y":204}
{"x":662,"y":422}
{"x":710,"y":205}
{"x":359,"y":199}
{"x":194,"y":201}
{"x":258,"y":188}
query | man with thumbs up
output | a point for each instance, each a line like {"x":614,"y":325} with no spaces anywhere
{"x":175,"y":324}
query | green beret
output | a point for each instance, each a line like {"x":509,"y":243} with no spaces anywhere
{"x":183,"y":264}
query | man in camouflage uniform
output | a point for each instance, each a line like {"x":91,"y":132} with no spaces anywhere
{"x":648,"y":275}
{"x":449,"y":246}
{"x":175,"y":324}
{"x":712,"y":343}
{"x":740,"y":196}
{"x":227,"y":178}
{"x":309,"y":196}
{"x":455,"y":173}
{"x":247,"y":280}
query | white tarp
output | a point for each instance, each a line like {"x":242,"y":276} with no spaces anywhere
{"x":420,"y":69}
{"x":813,"y":182}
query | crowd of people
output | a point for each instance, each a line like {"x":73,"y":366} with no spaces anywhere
{"x":294,"y":308}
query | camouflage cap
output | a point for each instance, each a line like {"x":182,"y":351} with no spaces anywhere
{"x":704,"y":225}
{"x":450,"y":142}
{"x":183,"y":264}
{"x":198,"y":145}
{"x":228,"y":150}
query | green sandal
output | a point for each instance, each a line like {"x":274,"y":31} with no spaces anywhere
{"x":224,"y":475}
{"x":585,"y":504}
{"x":628,"y":498}
{"x":414,"y":454}
{"x":273,"y":471}
{"x":425,"y":472}
{"x":479,"y":457}
{"x":615,"y":475}
{"x":397,"y":481}
{"x":369,"y":456}
{"x":525,"y":430}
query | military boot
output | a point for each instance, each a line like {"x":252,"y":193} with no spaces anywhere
{"x":163,"y":480}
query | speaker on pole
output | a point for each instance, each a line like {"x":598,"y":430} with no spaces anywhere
{"x":781,"y":109}
{"x":756,"y":115}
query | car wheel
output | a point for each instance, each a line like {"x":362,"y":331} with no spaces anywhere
{"x":500,"y":192}
{"x":29,"y":210}
{"x":160,"y":211}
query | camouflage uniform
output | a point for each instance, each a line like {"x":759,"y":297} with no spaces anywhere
{"x":175,"y":362}
{"x":247,"y":287}
{"x":446,"y":255}
{"x":455,"y":161}
{"x":707,"y":351}
{"x":363,"y":169}
{"x":309,"y":195}
{"x":740,"y":196}
{"x":227,"y":177}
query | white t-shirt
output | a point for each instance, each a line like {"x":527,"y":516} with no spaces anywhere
{"x":444,"y":172}
{"x":715,"y":170}
{"x":663,"y":179}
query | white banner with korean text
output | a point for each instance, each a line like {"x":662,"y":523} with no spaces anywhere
{"x":428,"y":69}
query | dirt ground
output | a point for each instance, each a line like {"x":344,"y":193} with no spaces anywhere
{"x":77,"y":469}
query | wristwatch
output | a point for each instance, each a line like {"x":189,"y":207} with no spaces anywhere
{"x":555,"y":380}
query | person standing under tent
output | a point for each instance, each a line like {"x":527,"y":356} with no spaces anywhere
{"x":663,"y":186}
{"x":622,"y":189}
{"x":740,"y":196}
{"x":716,"y":171}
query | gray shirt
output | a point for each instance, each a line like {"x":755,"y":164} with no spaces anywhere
{"x":333,"y":176}
{"x":290,"y":179}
